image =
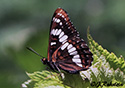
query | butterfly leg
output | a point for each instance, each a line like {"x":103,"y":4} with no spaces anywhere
{"x":62,"y":75}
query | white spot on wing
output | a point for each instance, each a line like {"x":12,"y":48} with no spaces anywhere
{"x":53,"y":30}
{"x":58,"y":20}
{"x":77,"y":61}
{"x":74,"y":53}
{"x":61,"y":34}
{"x":80,"y":65}
{"x":76,"y":56}
{"x":53,"y":43}
{"x":64,"y":46}
{"x":58,"y":14}
{"x":70,"y":45}
{"x":62,"y":16}
{"x":60,"y":23}
{"x":58,"y":32}
{"x":63,"y":38}
{"x":88,"y":61}
{"x":64,"y":41}
{"x":53,"y":18}
{"x":71,"y":49}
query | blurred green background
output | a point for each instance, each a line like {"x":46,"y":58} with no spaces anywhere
{"x":27,"y":22}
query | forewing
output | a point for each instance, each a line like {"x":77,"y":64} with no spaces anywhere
{"x":61,"y":29}
{"x":72,"y":53}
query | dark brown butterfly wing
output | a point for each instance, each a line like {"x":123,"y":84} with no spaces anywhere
{"x":66,"y":49}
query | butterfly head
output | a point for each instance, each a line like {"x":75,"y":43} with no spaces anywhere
{"x":44,"y":60}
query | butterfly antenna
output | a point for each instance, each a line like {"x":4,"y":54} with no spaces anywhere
{"x":32,"y":50}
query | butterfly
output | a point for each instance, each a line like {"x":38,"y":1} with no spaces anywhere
{"x":66,"y":50}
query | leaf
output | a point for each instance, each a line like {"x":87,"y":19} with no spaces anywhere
{"x":46,"y":79}
{"x":111,"y":58}
{"x":106,"y":66}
